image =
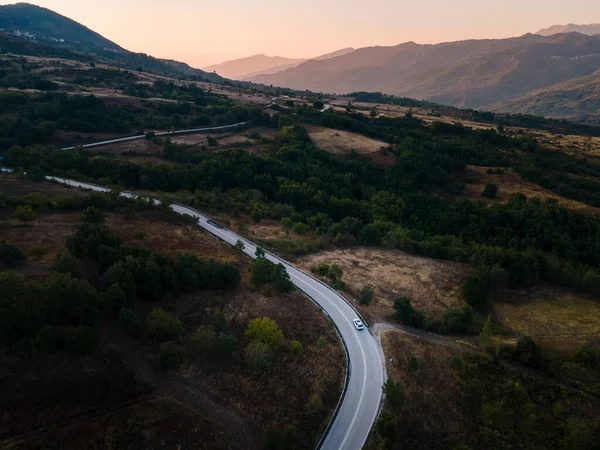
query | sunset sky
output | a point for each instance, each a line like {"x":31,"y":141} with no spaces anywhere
{"x":203,"y":32}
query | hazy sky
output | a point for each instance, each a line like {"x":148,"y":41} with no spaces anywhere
{"x":202,"y":32}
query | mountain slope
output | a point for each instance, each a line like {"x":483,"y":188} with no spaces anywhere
{"x":470,"y":73}
{"x":577,"y":99}
{"x":238,"y":68}
{"x":47,"y":26}
{"x":253,"y":66}
{"x":32,"y":30}
{"x":591,"y":29}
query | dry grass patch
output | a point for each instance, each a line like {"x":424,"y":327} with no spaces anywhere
{"x":431,"y":284}
{"x":432,"y":416}
{"x":556,"y":318}
{"x":338,"y":142}
{"x":510,"y":183}
{"x":15,"y":186}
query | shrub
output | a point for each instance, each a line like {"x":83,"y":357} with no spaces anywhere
{"x":490,"y":190}
{"x":25,"y":214}
{"x":113,"y":300}
{"x":300,"y":228}
{"x":458,"y":320}
{"x":266,"y":331}
{"x":10,"y":254}
{"x":259,"y":356}
{"x":36,"y":174}
{"x":227,"y":344}
{"x":296,"y":347}
{"x":204,"y":341}
{"x":38,"y":251}
{"x":170,"y":355}
{"x":162,"y":326}
{"x":394,"y":393}
{"x":66,"y":263}
{"x":366,"y":295}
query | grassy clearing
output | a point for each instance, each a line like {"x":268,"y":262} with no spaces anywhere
{"x":340,"y":142}
{"x":557,"y":319}
{"x":431,"y":284}
{"x":510,"y":183}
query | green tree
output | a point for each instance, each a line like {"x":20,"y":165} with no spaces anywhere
{"x":281,"y":280}
{"x":170,"y":355}
{"x":472,"y":394}
{"x":66,"y":263}
{"x":204,"y":341}
{"x":25,"y":214}
{"x":296,"y":348}
{"x":113,"y":300}
{"x":259,"y":356}
{"x":261,"y":272}
{"x":219,"y":322}
{"x":394,"y":393}
{"x":486,"y":334}
{"x":259,"y":253}
{"x":490,"y":190}
{"x":458,"y":320}
{"x":239,"y":246}
{"x":131,"y":322}
{"x":226,"y":344}
{"x":265,"y":330}
{"x":366,"y":295}
{"x":10,"y":254}
{"x":386,"y":428}
{"x":412,"y":364}
{"x":36,"y":174}
{"x":162,"y":326}
{"x":92,"y":215}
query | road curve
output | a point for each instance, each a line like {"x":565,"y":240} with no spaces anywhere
{"x":361,"y":401}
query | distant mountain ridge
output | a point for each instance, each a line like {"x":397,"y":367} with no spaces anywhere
{"x":32,"y":30}
{"x":590,"y":29}
{"x":256,"y":65}
{"x":471,"y":74}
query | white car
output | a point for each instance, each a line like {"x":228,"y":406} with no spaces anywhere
{"x":358,"y":324}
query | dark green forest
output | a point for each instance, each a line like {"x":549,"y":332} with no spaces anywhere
{"x":405,"y":206}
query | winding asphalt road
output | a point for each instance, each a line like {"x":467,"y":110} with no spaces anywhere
{"x":361,"y":399}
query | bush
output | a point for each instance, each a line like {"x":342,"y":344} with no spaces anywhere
{"x":406,"y":314}
{"x":38,"y":251}
{"x":259,"y":356}
{"x":472,"y":394}
{"x":366,"y":295}
{"x":458,"y":320}
{"x":300,"y":228}
{"x":25,"y":214}
{"x":36,"y":174}
{"x":296,"y":348}
{"x":227,"y":344}
{"x":394,"y":393}
{"x":490,"y":190}
{"x":266,"y":331}
{"x":66,"y":263}
{"x":162,"y":326}
{"x":10,"y":254}
{"x":204,"y":341}
{"x":170,"y":355}
{"x":113,"y":300}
